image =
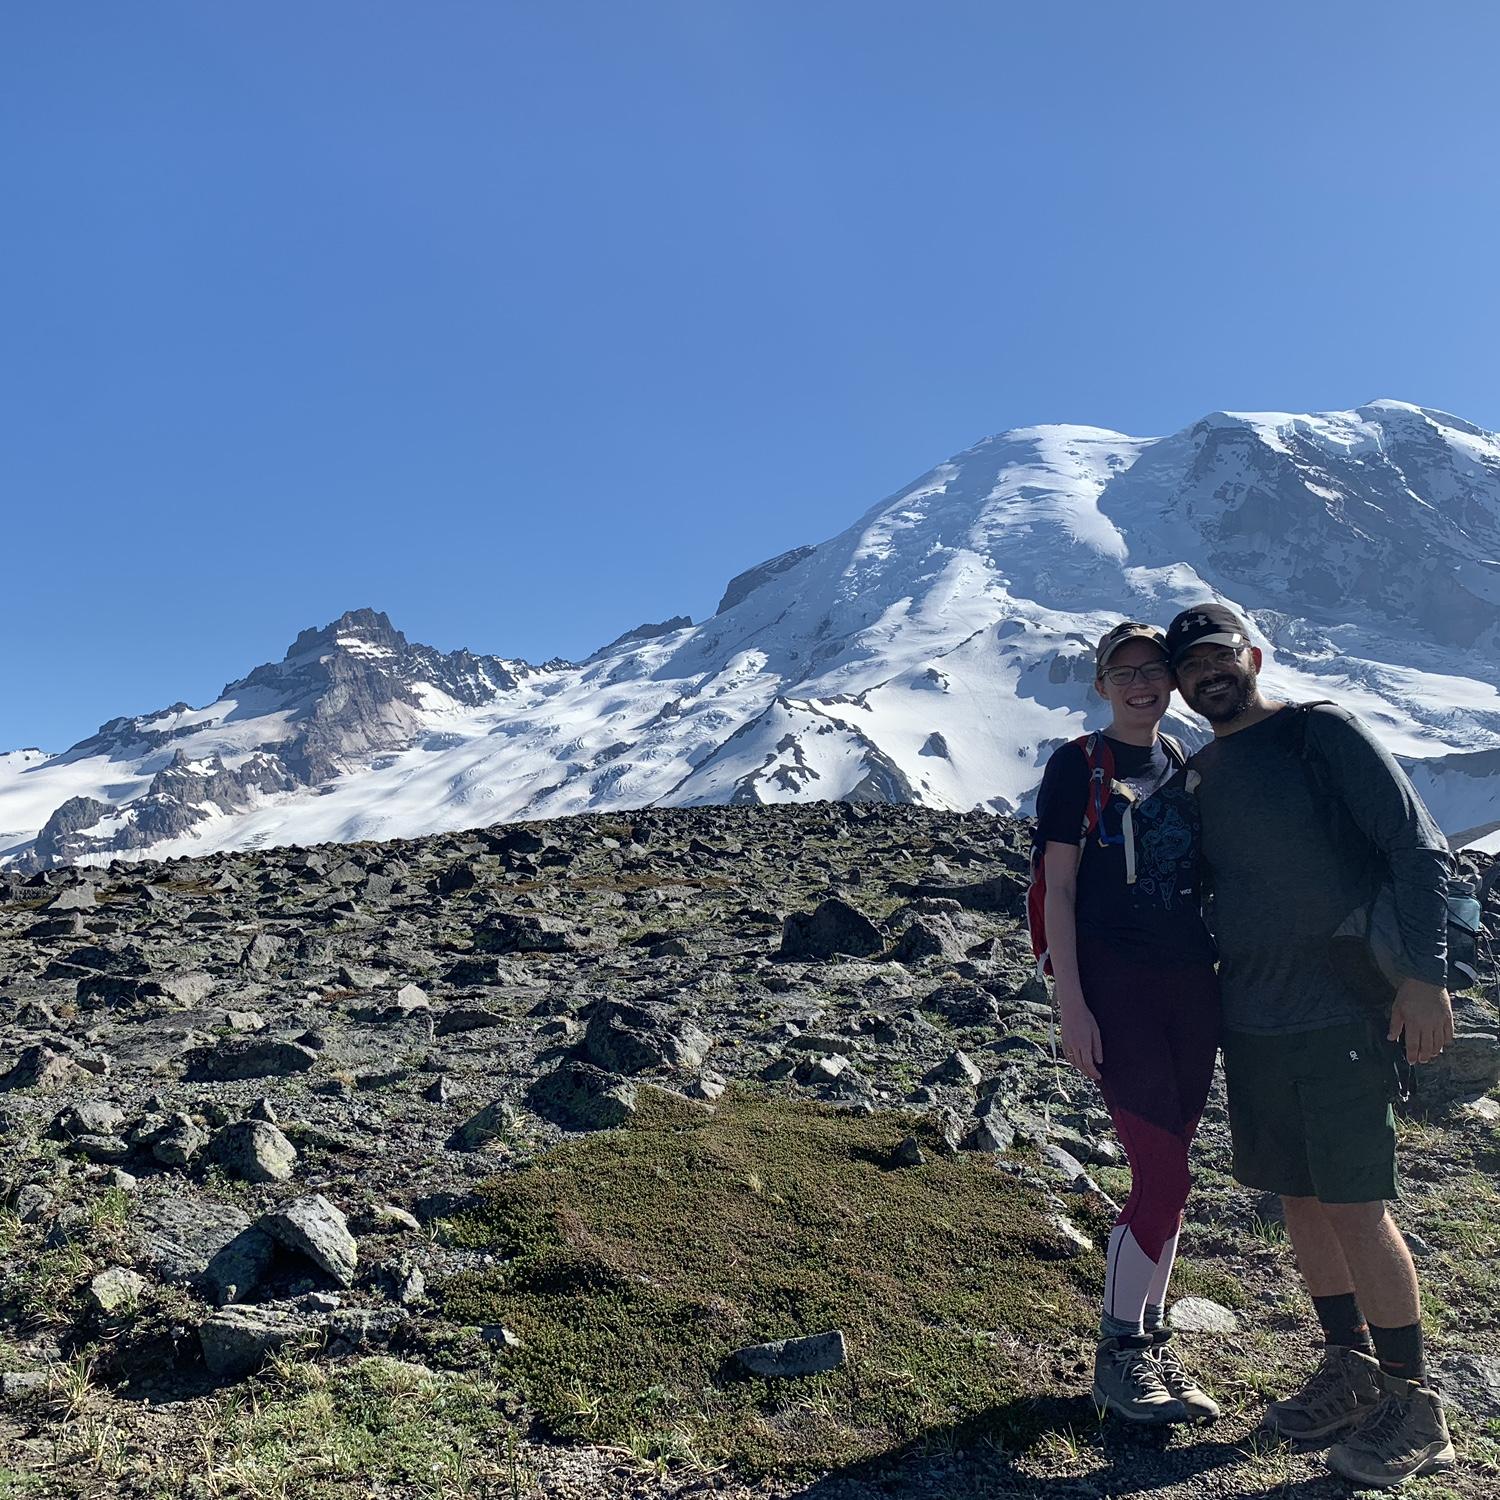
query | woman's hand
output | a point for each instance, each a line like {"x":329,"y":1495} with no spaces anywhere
{"x":1080,"y":1033}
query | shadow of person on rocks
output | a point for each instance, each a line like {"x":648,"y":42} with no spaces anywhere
{"x":983,"y":1460}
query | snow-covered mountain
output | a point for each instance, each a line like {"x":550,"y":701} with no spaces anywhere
{"x":934,"y":651}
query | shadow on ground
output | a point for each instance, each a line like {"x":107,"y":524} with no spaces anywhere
{"x":977,"y":1461}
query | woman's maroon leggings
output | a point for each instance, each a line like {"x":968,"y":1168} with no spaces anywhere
{"x":1159,"y":1031}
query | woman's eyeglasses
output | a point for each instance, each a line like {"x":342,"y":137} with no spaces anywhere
{"x":1153,"y":671}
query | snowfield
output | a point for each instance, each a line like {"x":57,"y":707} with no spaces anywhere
{"x":936,"y":651}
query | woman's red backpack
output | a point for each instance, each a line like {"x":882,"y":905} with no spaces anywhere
{"x":1103,"y":787}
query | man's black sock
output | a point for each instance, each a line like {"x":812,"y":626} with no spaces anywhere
{"x":1399,"y":1351}
{"x":1343,"y":1323}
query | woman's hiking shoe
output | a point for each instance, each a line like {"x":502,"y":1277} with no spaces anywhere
{"x":1128,"y":1381}
{"x":1199,"y":1405}
{"x":1406,"y":1435}
{"x":1343,"y":1390}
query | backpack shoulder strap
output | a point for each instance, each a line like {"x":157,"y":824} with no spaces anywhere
{"x":1316,"y":769}
{"x":1100,"y":760}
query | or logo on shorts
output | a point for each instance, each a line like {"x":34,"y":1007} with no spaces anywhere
{"x":1353,"y":1055}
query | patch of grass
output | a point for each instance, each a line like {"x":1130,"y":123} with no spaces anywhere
{"x":339,"y":1433}
{"x":50,"y":1293}
{"x":636,"y":1262}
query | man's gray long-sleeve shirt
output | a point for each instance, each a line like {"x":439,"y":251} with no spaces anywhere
{"x":1286,"y":870}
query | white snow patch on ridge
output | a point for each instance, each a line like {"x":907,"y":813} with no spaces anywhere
{"x":937,"y":649}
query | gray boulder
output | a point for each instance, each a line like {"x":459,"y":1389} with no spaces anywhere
{"x":495,"y":1122}
{"x":582,"y":1097}
{"x":785,"y":1358}
{"x":179,"y":1144}
{"x":1469,"y":1065}
{"x":834,"y":928}
{"x":523,"y":932}
{"x":929,"y":936}
{"x":314,"y":1228}
{"x":90,"y":1117}
{"x":237,"y":1341}
{"x":255,"y":1151}
{"x":248,"y":1057}
{"x":197,"y":1242}
{"x":627,"y":1038}
{"x":40,"y":1067}
{"x":116,"y":1288}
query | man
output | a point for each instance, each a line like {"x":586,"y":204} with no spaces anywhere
{"x":1303,"y":814}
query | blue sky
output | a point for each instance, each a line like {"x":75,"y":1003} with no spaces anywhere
{"x":527,"y":322}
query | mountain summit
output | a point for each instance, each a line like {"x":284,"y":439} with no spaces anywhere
{"x":934,"y":652}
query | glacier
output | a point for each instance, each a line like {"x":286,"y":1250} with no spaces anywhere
{"x":935,"y":651}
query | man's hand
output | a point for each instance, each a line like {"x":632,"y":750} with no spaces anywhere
{"x":1080,"y":1034}
{"x":1425,"y":1014}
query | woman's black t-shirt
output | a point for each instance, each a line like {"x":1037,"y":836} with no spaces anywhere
{"x":1159,"y":919}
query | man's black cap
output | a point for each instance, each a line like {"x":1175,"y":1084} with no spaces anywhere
{"x":1205,"y":624}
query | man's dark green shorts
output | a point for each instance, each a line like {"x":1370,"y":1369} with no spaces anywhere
{"x":1310,"y":1113}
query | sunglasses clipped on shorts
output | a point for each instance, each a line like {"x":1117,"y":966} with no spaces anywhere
{"x":1153,"y":671}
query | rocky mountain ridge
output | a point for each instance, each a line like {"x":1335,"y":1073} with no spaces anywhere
{"x":933,"y":652}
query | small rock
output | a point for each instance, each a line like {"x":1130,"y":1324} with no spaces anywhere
{"x":179,"y":1145}
{"x":255,"y":1151}
{"x":117,"y":1288}
{"x":1468,"y":1065}
{"x":75,"y":898}
{"x":1074,"y":1241}
{"x":20,"y":1385}
{"x":834,"y":928}
{"x":104,"y":1149}
{"x":313,"y":1227}
{"x":823,"y":1046}
{"x":91,"y":1117}
{"x":623,"y":1037}
{"x":956,"y":1068}
{"x":581,"y":1096}
{"x":40,"y":1068}
{"x":251,"y":1057}
{"x":32,"y":1202}
{"x":402,"y":1280}
{"x":707,"y":1086}
{"x":908,"y":1153}
{"x":786,"y":1358}
{"x":442,"y":1090}
{"x":991,"y":1132}
{"x":238,"y":1340}
{"x":358,"y":1327}
{"x":1199,"y":1315}
{"x":388,"y":1217}
{"x":495,"y":1122}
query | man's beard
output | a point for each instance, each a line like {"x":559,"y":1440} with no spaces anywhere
{"x":1221,"y":708}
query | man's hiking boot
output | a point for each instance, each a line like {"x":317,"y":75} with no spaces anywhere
{"x":1128,"y":1380}
{"x":1199,"y":1405}
{"x":1406,"y":1435}
{"x":1343,"y":1390}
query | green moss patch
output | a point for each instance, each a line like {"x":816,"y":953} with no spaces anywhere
{"x":636,"y":1263}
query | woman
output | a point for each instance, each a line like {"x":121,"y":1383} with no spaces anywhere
{"x":1137,"y":996}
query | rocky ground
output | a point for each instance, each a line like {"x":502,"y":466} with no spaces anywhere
{"x":391,"y":1169}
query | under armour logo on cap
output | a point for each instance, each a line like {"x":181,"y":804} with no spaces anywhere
{"x":1206,"y":625}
